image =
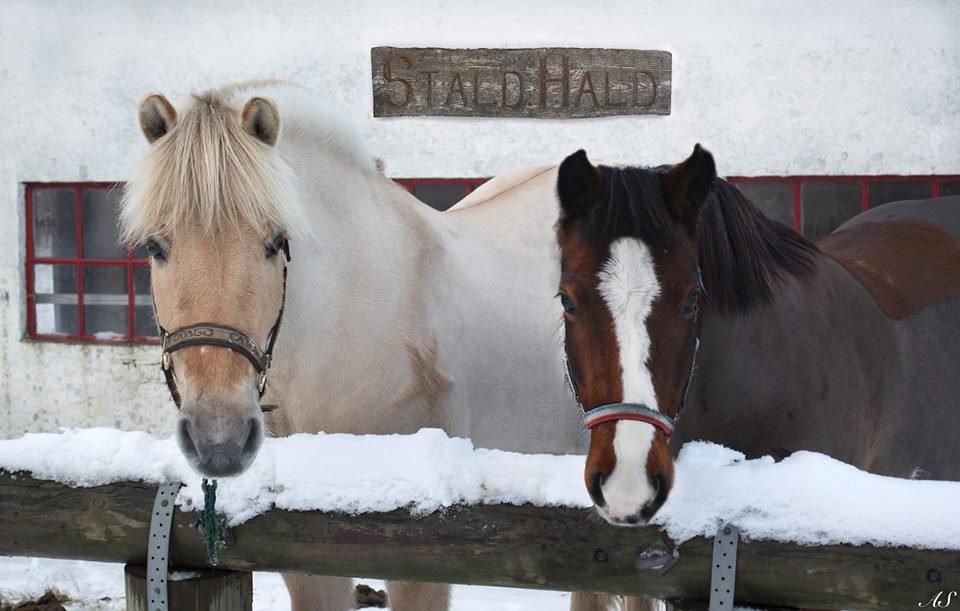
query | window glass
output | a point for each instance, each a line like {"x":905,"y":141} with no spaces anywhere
{"x":884,"y":192}
{"x":440,"y":196}
{"x":105,"y":301}
{"x":55,"y":297}
{"x":99,"y":212}
{"x":826,"y":205}
{"x":950,"y":187}
{"x":775,"y":199}
{"x":143,"y":308}
{"x":54,"y":223}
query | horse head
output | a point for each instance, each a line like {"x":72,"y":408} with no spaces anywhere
{"x":212,"y":202}
{"x":631,"y":292}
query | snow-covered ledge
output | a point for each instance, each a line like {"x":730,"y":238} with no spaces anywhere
{"x":806,"y":498}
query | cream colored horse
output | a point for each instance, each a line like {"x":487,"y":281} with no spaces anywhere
{"x":397,"y":317}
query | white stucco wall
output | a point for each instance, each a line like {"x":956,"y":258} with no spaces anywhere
{"x":804,"y":87}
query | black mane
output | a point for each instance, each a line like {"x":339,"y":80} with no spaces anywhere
{"x":743,"y":254}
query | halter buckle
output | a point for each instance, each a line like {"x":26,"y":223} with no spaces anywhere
{"x":262,"y":382}
{"x":165,"y":360}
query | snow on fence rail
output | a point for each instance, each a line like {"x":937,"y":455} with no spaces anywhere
{"x":448,"y":513}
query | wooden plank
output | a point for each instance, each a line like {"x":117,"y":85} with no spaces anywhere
{"x":542,"y":83}
{"x":207,"y":590}
{"x":525,"y":546}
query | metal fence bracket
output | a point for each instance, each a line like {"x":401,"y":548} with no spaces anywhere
{"x":158,"y":551}
{"x":658,"y":558}
{"x":724,"y":569}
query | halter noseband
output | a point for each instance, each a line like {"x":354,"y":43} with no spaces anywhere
{"x":222,"y":336}
{"x":613,"y":412}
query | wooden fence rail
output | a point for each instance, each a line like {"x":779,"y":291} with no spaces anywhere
{"x":518,"y":546}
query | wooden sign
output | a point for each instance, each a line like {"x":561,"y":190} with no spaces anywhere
{"x":547,"y":83}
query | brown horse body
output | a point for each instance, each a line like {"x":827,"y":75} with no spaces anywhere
{"x":856,"y":360}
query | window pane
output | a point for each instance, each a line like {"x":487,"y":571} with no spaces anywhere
{"x":775,"y":199}
{"x":826,"y":205}
{"x":101,"y":239}
{"x":105,"y":301}
{"x":55,"y":290}
{"x":884,"y":192}
{"x":950,"y":187}
{"x":440,"y":197}
{"x":143,"y":312}
{"x":54,"y":223}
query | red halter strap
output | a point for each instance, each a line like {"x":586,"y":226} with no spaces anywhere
{"x":628,"y":411}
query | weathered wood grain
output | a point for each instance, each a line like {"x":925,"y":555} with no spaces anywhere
{"x":525,"y":546}
{"x":543,"y":83}
{"x":210,"y":590}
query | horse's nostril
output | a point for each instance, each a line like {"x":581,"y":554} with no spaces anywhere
{"x":659,"y":484}
{"x":187,"y":445}
{"x":596,"y":487}
{"x":254,"y":438}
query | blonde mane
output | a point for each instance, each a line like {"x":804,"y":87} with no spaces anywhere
{"x":208,"y":172}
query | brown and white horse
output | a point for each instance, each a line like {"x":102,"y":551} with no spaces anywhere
{"x":396,"y":317}
{"x":678,"y":292}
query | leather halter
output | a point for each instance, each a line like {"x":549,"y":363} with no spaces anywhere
{"x":614,"y":412}
{"x":222,"y":336}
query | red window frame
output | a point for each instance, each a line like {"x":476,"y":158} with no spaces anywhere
{"x":795,"y":182}
{"x":130,"y":262}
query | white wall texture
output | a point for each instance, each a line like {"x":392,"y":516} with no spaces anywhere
{"x":772,"y":88}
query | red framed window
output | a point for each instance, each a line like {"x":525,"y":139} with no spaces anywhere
{"x":82,"y":283}
{"x":816,"y":205}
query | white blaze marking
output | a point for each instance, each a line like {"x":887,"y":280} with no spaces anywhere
{"x":628,"y":284}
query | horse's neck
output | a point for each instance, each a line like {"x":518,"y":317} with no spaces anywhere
{"x":778,"y":377}
{"x":368,"y":246}
{"x":349,"y":309}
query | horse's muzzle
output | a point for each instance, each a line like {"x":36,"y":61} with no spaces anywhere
{"x":219,"y":445}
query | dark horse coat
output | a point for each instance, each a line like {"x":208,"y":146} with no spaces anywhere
{"x":858,"y":359}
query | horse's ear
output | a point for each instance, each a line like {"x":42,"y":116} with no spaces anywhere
{"x":261,"y":119}
{"x":688,"y":186}
{"x":157,"y":116}
{"x":579,"y":184}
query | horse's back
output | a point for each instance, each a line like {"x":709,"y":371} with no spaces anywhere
{"x":498,"y":185}
{"x":944,"y":212}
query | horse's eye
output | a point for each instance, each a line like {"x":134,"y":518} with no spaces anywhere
{"x":154,"y":250}
{"x":567,"y":303}
{"x":275,"y":247}
{"x":691,"y":305}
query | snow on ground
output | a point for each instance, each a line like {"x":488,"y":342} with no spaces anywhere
{"x":98,"y":586}
{"x":806,"y":498}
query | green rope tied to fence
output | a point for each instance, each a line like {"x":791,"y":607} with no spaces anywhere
{"x":210,"y":524}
